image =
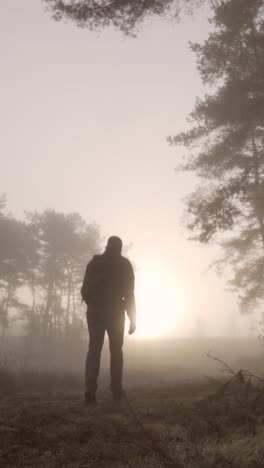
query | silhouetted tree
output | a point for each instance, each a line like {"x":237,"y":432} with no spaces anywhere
{"x":14,"y":244}
{"x":63,"y":245}
{"x":42,"y":263}
{"x":227,"y":144}
{"x":125,"y":15}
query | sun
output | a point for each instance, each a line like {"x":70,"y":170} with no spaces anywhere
{"x":159,"y":304}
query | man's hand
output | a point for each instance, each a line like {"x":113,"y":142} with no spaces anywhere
{"x":132,"y":328}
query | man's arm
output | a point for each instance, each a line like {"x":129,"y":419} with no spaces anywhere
{"x":85,"y":290}
{"x":130,"y":301}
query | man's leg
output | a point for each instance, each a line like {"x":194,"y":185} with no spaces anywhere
{"x":96,"y":330}
{"x":115,"y":330}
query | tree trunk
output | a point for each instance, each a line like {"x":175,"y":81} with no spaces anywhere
{"x":258,"y":211}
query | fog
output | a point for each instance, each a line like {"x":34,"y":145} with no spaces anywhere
{"x":84,"y":119}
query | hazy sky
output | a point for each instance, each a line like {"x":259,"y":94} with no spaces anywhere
{"x":84,"y":121}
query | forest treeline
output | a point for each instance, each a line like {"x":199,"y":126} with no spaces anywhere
{"x":42,"y":263}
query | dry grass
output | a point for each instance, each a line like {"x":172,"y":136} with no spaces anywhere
{"x":44,"y":423}
{"x":179,"y":418}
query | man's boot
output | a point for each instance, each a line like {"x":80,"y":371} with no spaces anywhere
{"x":90,"y":398}
{"x":118,"y":395}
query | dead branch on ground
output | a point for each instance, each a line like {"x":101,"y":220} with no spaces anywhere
{"x":243,"y":376}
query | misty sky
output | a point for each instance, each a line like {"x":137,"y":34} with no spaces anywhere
{"x":84,"y":121}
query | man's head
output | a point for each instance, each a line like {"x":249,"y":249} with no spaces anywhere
{"x":114,"y":245}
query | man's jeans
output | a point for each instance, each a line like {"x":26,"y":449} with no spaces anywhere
{"x":98,"y":324}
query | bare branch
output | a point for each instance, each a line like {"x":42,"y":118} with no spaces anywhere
{"x":226,"y":366}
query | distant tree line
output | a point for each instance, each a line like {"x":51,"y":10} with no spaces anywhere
{"x":42,"y":262}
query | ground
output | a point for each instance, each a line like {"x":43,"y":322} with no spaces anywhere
{"x":188,"y":420}
{"x":185,"y":425}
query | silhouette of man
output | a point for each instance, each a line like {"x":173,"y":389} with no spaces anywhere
{"x":108,"y":291}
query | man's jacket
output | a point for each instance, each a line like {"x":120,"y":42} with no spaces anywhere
{"x":109,"y":284}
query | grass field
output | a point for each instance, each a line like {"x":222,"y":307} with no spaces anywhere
{"x":176,"y":414}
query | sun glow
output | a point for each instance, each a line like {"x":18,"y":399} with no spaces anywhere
{"x":159,"y":304}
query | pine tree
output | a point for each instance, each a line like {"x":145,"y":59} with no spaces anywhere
{"x":14,"y":249}
{"x":124,"y":15}
{"x":63,"y":245}
{"x":227,"y":144}
{"x":42,"y":264}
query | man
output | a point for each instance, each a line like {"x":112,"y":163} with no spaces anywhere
{"x":108,"y":291}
